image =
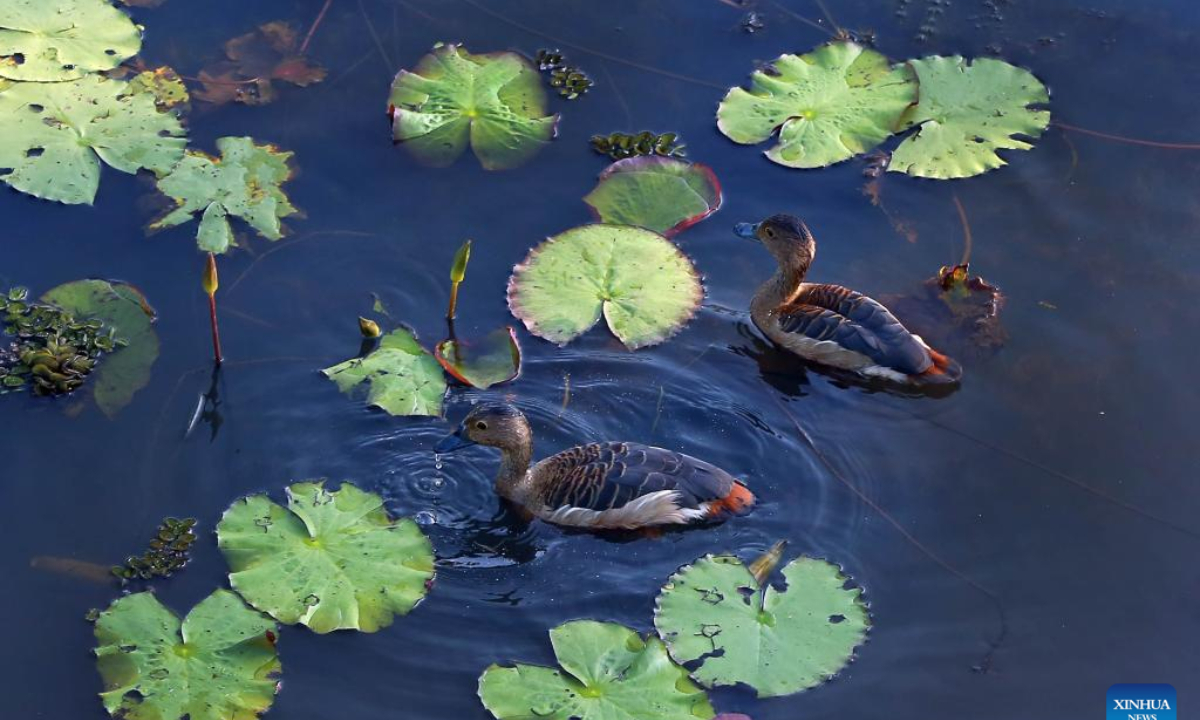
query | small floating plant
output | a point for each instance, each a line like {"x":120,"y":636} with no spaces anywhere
{"x":53,"y":352}
{"x":570,"y":81}
{"x":619,"y":146}
{"x":167,"y":552}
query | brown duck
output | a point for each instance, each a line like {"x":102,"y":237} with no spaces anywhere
{"x":606,"y":485}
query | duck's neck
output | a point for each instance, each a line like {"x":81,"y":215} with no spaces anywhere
{"x":781,"y":289}
{"x":514,"y":464}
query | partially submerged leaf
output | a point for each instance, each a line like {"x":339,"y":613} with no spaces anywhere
{"x":714,"y":613}
{"x":608,"y":672}
{"x":493,"y":360}
{"x":329,"y":560}
{"x":55,"y":40}
{"x":638,"y":280}
{"x":955,"y":311}
{"x":164,"y":85}
{"x":658,"y":193}
{"x":253,"y":61}
{"x":219,"y":663}
{"x":494,"y":102}
{"x":403,"y":378}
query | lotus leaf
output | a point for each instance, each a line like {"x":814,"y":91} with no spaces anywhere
{"x":244,"y":182}
{"x":658,"y":193}
{"x":968,"y":111}
{"x":608,"y":672}
{"x":495,"y":102}
{"x":829,"y":105}
{"x":54,"y":135}
{"x":330,"y":560}
{"x":123,"y":308}
{"x":492,"y":360}
{"x":642,"y":284}
{"x":404,"y":378}
{"x":714,"y":613}
{"x":54,"y":40}
{"x":218,"y":664}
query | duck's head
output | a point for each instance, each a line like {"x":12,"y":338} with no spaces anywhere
{"x":493,"y":424}
{"x":786,"y":237}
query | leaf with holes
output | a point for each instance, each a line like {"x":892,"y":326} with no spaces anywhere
{"x":968,"y":111}
{"x":219,"y":663}
{"x":53,"y":136}
{"x":494,"y":359}
{"x":660,"y":194}
{"x":714,"y":614}
{"x":402,"y":377}
{"x":608,"y":672}
{"x":55,"y":40}
{"x":329,"y":560}
{"x":638,"y":280}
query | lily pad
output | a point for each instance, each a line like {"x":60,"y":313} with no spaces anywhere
{"x":330,"y":560}
{"x":55,"y":40}
{"x":120,"y":306}
{"x":219,"y":663}
{"x":643,"y":285}
{"x":968,"y":111}
{"x":54,"y":135}
{"x":715,"y":614}
{"x":494,"y":102}
{"x":164,"y":85}
{"x":829,"y":105}
{"x":403,"y":378}
{"x":245,"y":182}
{"x":608,"y":672}
{"x":658,"y":193}
{"x":253,"y":61}
{"x":493,"y":360}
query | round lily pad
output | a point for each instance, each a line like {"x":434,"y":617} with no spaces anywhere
{"x":402,"y":377}
{"x":608,"y":672}
{"x":829,"y":105}
{"x":54,"y":40}
{"x":493,"y":102}
{"x":968,"y":111}
{"x":715,"y":614}
{"x":329,"y":560}
{"x":491,"y":360}
{"x":658,"y":193}
{"x":219,"y":663}
{"x":638,"y":280}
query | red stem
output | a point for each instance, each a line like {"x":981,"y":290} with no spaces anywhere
{"x":320,"y":16}
{"x":216,"y":334}
{"x":1129,"y":140}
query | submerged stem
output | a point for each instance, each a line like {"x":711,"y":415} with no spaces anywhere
{"x":1128,"y":140}
{"x":313,"y":28}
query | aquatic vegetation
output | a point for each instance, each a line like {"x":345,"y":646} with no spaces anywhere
{"x":619,"y":146}
{"x":167,"y":553}
{"x":493,"y":102}
{"x":210,"y":281}
{"x":495,"y":359}
{"x":737,"y":630}
{"x":402,"y":377}
{"x":570,"y":81}
{"x":956,"y":308}
{"x":641,"y":283}
{"x":607,"y":672}
{"x":458,"y":273}
{"x":245,"y":182}
{"x":53,"y":136}
{"x":253,"y":62}
{"x":658,"y":193}
{"x":164,"y":85}
{"x":368,"y":328}
{"x":329,"y":560}
{"x":53,"y":352}
{"x":55,"y":40}
{"x":219,"y":663}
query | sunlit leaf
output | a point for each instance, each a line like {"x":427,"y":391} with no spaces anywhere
{"x":658,"y":193}
{"x":164,"y":85}
{"x":494,"y":359}
{"x":253,"y":61}
{"x":402,"y":377}
{"x":55,"y":40}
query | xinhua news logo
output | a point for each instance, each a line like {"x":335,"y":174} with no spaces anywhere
{"x":1141,"y":702}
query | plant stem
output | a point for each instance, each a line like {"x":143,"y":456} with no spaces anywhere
{"x":216,"y":333}
{"x":313,"y":29}
{"x":453,"y":309}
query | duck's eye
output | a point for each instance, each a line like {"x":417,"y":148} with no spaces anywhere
{"x":481,"y":425}
{"x":769,"y":232}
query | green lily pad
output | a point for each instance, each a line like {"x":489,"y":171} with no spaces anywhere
{"x":54,"y":40}
{"x":244,"y":182}
{"x":608,"y":672}
{"x":829,"y":105}
{"x":643,"y":285}
{"x":714,"y":613}
{"x":493,"y":360}
{"x":54,"y":135}
{"x":658,"y":193}
{"x":493,"y":102}
{"x":404,"y":378}
{"x":120,"y":306}
{"x":330,"y":560}
{"x":218,"y":664}
{"x":968,"y":111}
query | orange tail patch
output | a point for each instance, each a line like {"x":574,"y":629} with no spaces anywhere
{"x":943,"y":370}
{"x":737,"y":502}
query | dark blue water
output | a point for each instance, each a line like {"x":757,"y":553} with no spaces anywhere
{"x":1058,"y":484}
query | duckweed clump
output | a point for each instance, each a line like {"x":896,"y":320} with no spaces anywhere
{"x":570,"y":80}
{"x":619,"y":146}
{"x":168,"y":552}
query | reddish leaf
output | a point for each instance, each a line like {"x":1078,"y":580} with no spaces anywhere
{"x":253,"y":61}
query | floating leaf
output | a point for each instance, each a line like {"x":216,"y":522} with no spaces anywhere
{"x":660,"y":194}
{"x":495,"y":102}
{"x":608,"y":672}
{"x":968,"y":111}
{"x":829,"y":105}
{"x":55,"y":40}
{"x":245,"y":182}
{"x":123,"y":308}
{"x":714,"y":613}
{"x":330,"y":560}
{"x":642,"y":284}
{"x":218,"y":664}
{"x":493,"y":360}
{"x":54,"y":135}
{"x":619,"y":146}
{"x":253,"y":61}
{"x":404,"y":378}
{"x":164,"y":85}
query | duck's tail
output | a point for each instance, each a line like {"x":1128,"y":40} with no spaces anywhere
{"x":944,"y":370}
{"x":739,"y":501}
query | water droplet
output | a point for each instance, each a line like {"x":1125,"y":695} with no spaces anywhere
{"x":426,"y":517}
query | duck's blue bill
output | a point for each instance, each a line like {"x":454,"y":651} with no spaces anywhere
{"x":452,"y":442}
{"x":746,"y":230}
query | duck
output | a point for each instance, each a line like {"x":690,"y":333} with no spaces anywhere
{"x":601,"y":485}
{"x":833,"y":325}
